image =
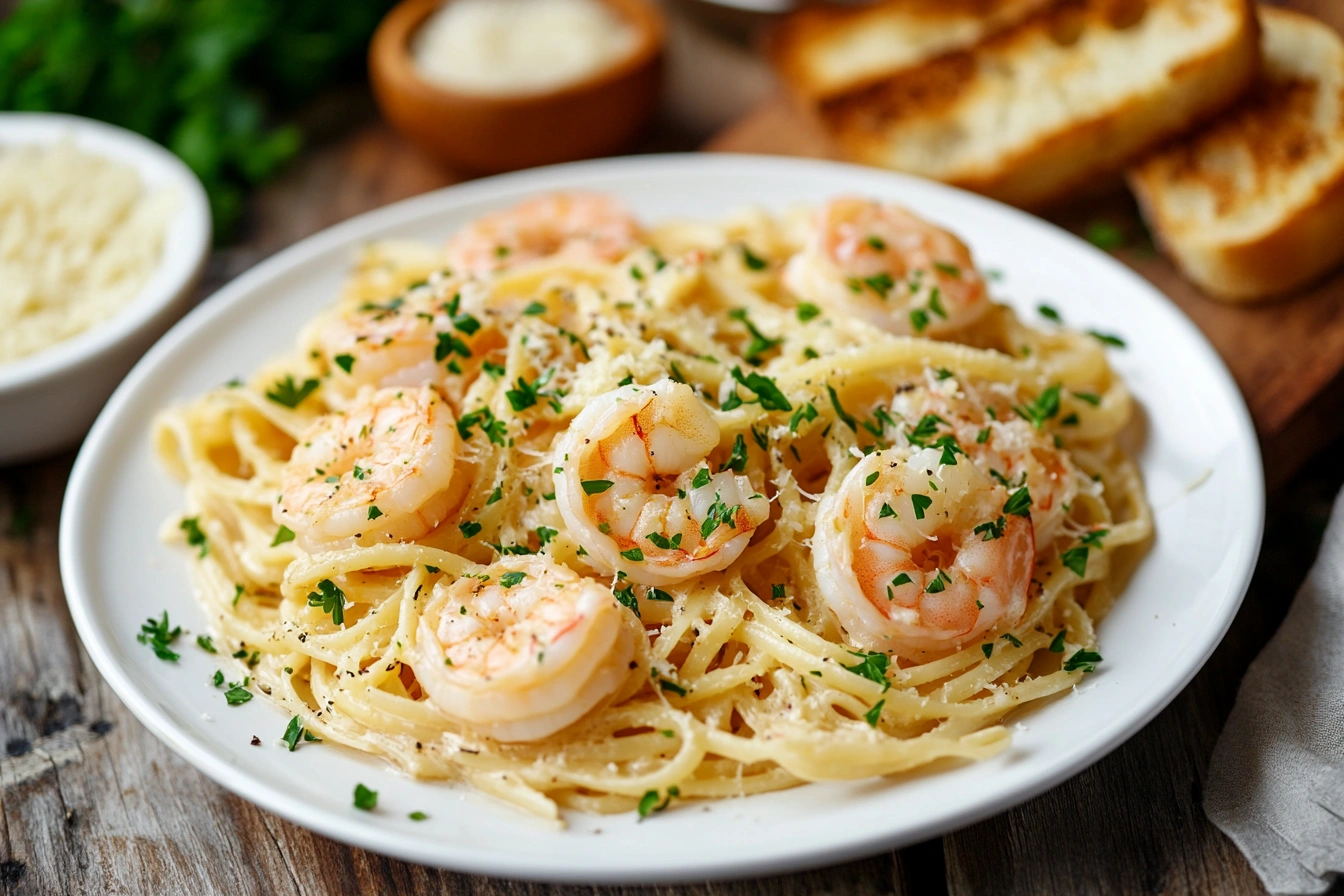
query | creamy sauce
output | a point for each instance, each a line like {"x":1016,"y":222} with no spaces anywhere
{"x":501,"y":47}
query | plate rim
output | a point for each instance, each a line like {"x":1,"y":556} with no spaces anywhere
{"x":384,"y":839}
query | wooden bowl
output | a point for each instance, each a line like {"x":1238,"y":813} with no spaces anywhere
{"x":486,"y":134}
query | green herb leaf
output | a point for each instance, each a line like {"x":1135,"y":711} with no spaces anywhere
{"x":1018,"y":503}
{"x":598,"y":486}
{"x":921,"y":504}
{"x":509,"y":579}
{"x":156,"y":634}
{"x":331,"y":599}
{"x":1084,"y":661}
{"x":872,"y":715}
{"x":237,"y":695}
{"x":287,"y":393}
{"x":1076,"y":559}
{"x":345,"y":362}
{"x":195,"y":537}
{"x":365,"y":798}
{"x":839,"y":409}
{"x":872,"y":666}
{"x":767,"y":393}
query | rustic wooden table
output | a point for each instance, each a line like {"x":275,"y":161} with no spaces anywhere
{"x":91,"y":803}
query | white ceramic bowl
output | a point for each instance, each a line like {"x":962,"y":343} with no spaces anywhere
{"x":49,"y":400}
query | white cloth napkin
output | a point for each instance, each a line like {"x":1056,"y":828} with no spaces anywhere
{"x":1276,"y":779}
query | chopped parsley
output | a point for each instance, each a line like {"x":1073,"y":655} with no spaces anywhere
{"x":924,"y":430}
{"x":469,"y":529}
{"x":805,"y":412}
{"x":700,"y":481}
{"x":1057,"y":644}
{"x":495,"y":496}
{"x":634,"y":555}
{"x":872,"y":715}
{"x":760,"y":343}
{"x":156,"y":634}
{"x":288,"y":393}
{"x":345,"y":362}
{"x":991,"y":530}
{"x":767,"y":393}
{"x":662,"y":541}
{"x":295,"y":732}
{"x":987,"y":650}
{"x":1018,"y":503}
{"x":921,"y":504}
{"x":509,"y":579}
{"x":885,"y":511}
{"x":330,"y":599}
{"x":449,"y":344}
{"x":626,"y":597}
{"x":919,"y":319}
{"x":1011,"y":639}
{"x":939,"y":583}
{"x":872,"y":666}
{"x":659,"y":595}
{"x":417,"y":815}
{"x":365,"y":798}
{"x":1075,"y":559}
{"x":374,"y":512}
{"x":752,"y":260}
{"x":1082,"y":661}
{"x":1049,"y":313}
{"x":840,"y":410}
{"x":807,"y":311}
{"x":484,"y":418}
{"x":737,"y":461}
{"x":526,"y":394}
{"x":648,"y":803}
{"x":195,"y":537}
{"x":206,"y":643}
{"x":1089,"y":397}
{"x":237,"y":695}
{"x":534,"y":308}
{"x":1042,"y":408}
{"x":1107,"y":339}
{"x":598,"y":486}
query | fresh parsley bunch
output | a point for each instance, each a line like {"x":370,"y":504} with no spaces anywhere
{"x":209,"y":79}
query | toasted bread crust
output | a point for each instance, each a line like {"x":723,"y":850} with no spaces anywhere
{"x":812,"y":48}
{"x":868,"y":123}
{"x":1272,"y":129}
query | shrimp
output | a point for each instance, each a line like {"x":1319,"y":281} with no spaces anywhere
{"x":583,"y":227}
{"x":634,"y":490}
{"x":380,"y":470}
{"x":428,"y":336}
{"x":523,"y":650}
{"x":885,"y":265}
{"x":985,"y":422}
{"x":916,"y":557}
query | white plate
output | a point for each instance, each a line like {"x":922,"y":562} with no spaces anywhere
{"x":1199,"y":457}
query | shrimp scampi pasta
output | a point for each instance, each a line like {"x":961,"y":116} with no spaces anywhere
{"x":594,"y":513}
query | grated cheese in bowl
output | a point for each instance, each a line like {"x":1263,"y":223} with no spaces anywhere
{"x":80,"y":235}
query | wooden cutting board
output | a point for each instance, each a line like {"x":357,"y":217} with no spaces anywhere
{"x":1287,"y":356}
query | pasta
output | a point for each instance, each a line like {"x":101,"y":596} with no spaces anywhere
{"x":754,"y":654}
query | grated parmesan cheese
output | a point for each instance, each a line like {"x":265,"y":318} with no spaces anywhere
{"x":79,"y":237}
